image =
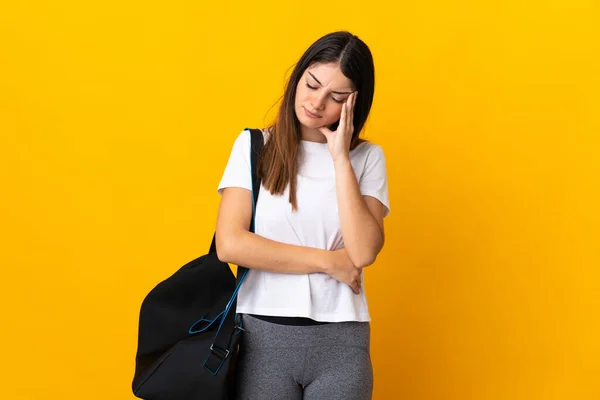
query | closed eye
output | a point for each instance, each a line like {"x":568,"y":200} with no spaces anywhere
{"x":332,"y":98}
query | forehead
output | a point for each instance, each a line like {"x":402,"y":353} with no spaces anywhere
{"x":330,"y":75}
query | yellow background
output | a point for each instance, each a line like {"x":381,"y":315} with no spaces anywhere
{"x":117,"y":118}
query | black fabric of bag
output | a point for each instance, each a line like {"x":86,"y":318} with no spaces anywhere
{"x":188,"y":332}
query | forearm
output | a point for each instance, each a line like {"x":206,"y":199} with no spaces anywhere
{"x":362,"y":234}
{"x":254,"y":251}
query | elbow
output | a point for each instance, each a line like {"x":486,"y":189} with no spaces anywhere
{"x":222,"y":247}
{"x":371,"y":254}
{"x":365,"y":257}
{"x":228,"y":244}
{"x":363,"y":260}
{"x":221,"y":255}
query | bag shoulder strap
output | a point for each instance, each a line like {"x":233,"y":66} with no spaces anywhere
{"x":256,"y":146}
{"x":219,"y":350}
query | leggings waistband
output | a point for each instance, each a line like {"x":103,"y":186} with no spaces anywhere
{"x":259,"y":333}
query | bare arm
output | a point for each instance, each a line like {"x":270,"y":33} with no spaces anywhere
{"x":236,"y":245}
{"x":361,"y":217}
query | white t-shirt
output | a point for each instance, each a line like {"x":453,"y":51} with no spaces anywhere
{"x":315,"y":224}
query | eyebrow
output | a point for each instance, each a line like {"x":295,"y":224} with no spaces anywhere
{"x":333,"y":91}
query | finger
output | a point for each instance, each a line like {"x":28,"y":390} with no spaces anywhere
{"x":345,"y":109}
{"x":354,"y":287}
{"x":351,"y":122}
{"x":342,"y":123}
{"x":349,"y":110}
{"x":325,"y":131}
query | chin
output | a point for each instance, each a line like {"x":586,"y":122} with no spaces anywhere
{"x":307,"y":122}
{"x":312,"y":124}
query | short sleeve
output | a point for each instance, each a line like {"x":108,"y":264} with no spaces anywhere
{"x":237,"y":171}
{"x":374,"y":181}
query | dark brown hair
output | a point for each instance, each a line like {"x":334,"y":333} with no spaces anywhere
{"x":278,"y":161}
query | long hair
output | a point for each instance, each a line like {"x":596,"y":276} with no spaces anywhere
{"x":278,"y":162}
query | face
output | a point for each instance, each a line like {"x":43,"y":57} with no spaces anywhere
{"x":320,"y":93}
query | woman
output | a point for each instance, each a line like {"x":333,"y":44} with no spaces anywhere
{"x":319,"y":222}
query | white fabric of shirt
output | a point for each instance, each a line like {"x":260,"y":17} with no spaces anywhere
{"x":315,"y":224}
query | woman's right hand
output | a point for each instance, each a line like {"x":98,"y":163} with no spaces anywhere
{"x":342,"y":269}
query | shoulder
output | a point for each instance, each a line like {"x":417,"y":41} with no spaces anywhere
{"x":244,"y":136}
{"x":368,"y":151}
{"x":242,"y":141}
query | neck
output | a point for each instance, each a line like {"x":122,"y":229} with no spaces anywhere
{"x":312,"y":135}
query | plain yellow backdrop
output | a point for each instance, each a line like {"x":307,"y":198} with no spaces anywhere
{"x":117,"y":118}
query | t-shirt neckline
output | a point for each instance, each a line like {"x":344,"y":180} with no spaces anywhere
{"x":313,"y":146}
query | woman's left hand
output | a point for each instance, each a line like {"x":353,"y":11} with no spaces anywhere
{"x":339,"y":140}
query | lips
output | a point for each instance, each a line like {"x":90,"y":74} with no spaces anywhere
{"x":309,"y":114}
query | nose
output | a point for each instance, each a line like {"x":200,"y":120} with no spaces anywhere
{"x":318,"y":101}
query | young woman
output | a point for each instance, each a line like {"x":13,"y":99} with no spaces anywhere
{"x":318,"y":224}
